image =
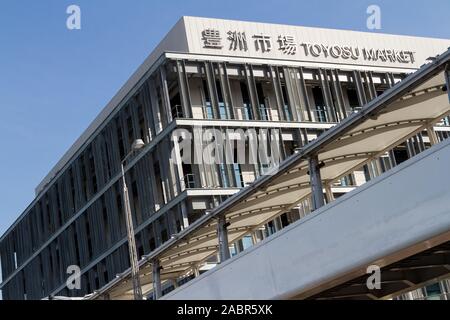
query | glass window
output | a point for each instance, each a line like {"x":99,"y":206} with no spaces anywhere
{"x":238,"y":175}
{"x":207,"y":111}
{"x":224,"y":176}
{"x":247,"y":242}
{"x":433,"y":291}
{"x":321,"y":112}
{"x":246,"y":104}
{"x":287,"y":111}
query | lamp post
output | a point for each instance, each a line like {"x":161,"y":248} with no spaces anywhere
{"x":137,"y":290}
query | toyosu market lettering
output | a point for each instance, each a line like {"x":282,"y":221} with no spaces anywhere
{"x":288,"y":45}
{"x":317,"y":50}
{"x":355,"y":53}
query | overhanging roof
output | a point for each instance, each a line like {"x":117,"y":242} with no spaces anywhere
{"x":409,"y":107}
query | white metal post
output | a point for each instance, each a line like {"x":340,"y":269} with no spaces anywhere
{"x":196,"y":270}
{"x":329,"y":192}
{"x":432,"y":135}
{"x":254,"y":238}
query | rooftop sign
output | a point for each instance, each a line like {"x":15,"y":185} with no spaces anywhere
{"x":289,"y":46}
{"x":273,"y":41}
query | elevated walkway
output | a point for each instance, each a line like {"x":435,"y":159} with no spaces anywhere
{"x":400,"y":214}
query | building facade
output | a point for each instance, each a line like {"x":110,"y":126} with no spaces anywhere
{"x":207,"y":75}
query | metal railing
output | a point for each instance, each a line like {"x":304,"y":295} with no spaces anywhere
{"x":189,"y":181}
{"x":442,"y":296}
{"x":321,"y":113}
{"x":177,"y":111}
{"x":444,"y":122}
{"x":264,"y":113}
{"x":246,"y":112}
{"x":208,"y":112}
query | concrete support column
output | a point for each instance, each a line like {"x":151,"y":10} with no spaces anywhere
{"x":222,"y":232}
{"x":317,"y":197}
{"x":432,"y":135}
{"x":157,"y":279}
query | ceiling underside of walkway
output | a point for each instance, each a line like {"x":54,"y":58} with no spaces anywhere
{"x":411,"y":273}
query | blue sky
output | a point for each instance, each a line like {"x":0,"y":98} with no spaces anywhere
{"x":53,"y":81}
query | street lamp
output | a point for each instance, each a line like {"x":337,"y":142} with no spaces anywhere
{"x":137,"y":290}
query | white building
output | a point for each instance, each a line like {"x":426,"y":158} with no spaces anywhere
{"x":216,"y":74}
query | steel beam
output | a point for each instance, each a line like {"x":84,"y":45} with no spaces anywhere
{"x":304,"y":94}
{"x":165,"y":93}
{"x":137,"y":290}
{"x":251,"y":88}
{"x":276,"y":86}
{"x":157,"y":279}
{"x":317,"y":197}
{"x":447,"y":81}
{"x":222,"y":232}
{"x":359,"y":88}
{"x":183,"y":84}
